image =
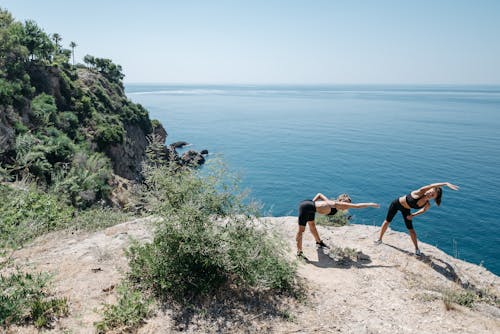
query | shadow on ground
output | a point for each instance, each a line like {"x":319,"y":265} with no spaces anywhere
{"x":344,"y":261}
{"x":440,"y":266}
{"x":233,"y":308}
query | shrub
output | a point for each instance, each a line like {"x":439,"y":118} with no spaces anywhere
{"x":44,"y":109}
{"x":27,"y":212}
{"x":461,"y":297}
{"x":23,"y":298}
{"x":67,"y":121}
{"x":108,"y":131}
{"x":341,"y":218}
{"x":40,"y":152}
{"x":128,"y":314}
{"x":206,"y":239}
{"x":86,"y":181}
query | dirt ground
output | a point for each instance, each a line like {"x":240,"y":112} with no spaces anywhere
{"x":381,"y":289}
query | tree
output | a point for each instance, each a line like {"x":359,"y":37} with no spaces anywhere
{"x":37,"y":41}
{"x":73,"y":45}
{"x":57,"y":38}
{"x":89,"y":60}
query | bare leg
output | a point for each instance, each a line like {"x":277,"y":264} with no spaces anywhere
{"x":298,"y":238}
{"x":413,"y":237}
{"x":314,"y":231}
{"x":384,"y":227}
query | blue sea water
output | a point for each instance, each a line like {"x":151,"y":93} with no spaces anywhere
{"x":374,"y":142}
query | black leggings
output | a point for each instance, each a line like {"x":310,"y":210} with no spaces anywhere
{"x":394,"y":208}
{"x":307,"y":209}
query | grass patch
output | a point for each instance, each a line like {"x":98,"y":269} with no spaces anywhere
{"x":98,"y":218}
{"x":452,"y":297}
{"x":27,"y":212}
{"x":24,"y":299}
{"x":129,"y":313}
{"x":343,"y":255}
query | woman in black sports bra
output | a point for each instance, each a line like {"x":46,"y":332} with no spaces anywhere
{"x":417,"y":199}
{"x":322,"y":205}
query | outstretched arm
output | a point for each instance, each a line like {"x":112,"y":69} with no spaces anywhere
{"x":419,"y":212}
{"x":320,"y":196}
{"x":439,"y":184}
{"x":345,"y":206}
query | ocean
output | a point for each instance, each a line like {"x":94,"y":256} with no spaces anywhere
{"x":374,"y":142}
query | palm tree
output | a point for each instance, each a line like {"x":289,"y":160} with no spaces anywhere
{"x":57,"y":38}
{"x":73,"y":45}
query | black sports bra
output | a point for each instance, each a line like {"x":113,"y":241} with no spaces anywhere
{"x":413,"y":202}
{"x":332,"y":211}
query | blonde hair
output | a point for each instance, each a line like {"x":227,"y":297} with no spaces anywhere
{"x":344,"y":198}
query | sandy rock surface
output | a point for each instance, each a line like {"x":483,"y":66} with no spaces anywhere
{"x":385,"y":289}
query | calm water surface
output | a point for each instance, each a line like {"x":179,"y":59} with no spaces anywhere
{"x":373,"y":142}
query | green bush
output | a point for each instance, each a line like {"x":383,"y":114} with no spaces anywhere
{"x":108,"y":130}
{"x":128,"y":314}
{"x":24,"y":299}
{"x":341,"y":218}
{"x":207,"y":238}
{"x":44,"y":110}
{"x":67,"y":121}
{"x":457,"y":296}
{"x":86,"y":181}
{"x":27,"y":212}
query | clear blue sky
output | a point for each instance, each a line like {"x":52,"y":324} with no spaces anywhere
{"x":288,"y":41}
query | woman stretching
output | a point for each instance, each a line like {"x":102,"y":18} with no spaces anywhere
{"x":322,"y":205}
{"x":417,"y":199}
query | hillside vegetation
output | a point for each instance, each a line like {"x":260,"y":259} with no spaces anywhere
{"x":76,"y":155}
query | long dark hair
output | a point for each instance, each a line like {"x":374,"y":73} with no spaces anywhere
{"x":439,"y":195}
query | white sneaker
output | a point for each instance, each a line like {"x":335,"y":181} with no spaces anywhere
{"x":418,"y":252}
{"x":377,"y":242}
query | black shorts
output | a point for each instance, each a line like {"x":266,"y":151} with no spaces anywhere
{"x":394,"y":208}
{"x":307,"y":210}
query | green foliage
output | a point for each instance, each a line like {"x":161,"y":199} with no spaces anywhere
{"x":128,"y":314}
{"x":156,"y":152}
{"x":27,"y":212}
{"x":67,"y":122}
{"x":343,"y":255}
{"x":36,"y":41}
{"x":458,"y":296}
{"x":44,"y":110}
{"x":39,"y":154}
{"x":99,"y":218}
{"x":108,"y":130}
{"x":341,"y":218}
{"x":24,"y":299}
{"x":206,"y":238}
{"x":106,"y":67}
{"x":86,"y":181}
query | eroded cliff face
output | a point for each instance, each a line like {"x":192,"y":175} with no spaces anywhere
{"x":126,"y":158}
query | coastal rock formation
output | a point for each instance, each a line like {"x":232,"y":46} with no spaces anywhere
{"x":179,"y":144}
{"x":382,"y":289}
{"x":160,"y":131}
{"x":192,"y":158}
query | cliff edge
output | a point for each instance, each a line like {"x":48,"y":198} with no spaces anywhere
{"x":357,"y":287}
